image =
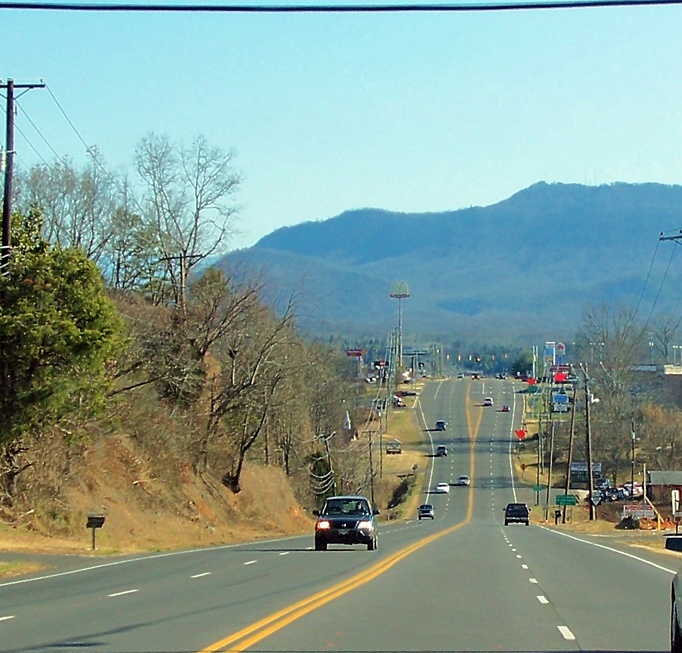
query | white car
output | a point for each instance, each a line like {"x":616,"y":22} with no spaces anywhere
{"x":488,"y":401}
{"x":463,"y":480}
{"x":443,"y":488}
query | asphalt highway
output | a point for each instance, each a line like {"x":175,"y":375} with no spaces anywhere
{"x":462,"y":582}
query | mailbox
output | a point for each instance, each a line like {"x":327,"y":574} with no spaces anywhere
{"x":94,"y":522}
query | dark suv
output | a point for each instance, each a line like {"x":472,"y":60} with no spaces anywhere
{"x":346,"y":520}
{"x":516,"y":513}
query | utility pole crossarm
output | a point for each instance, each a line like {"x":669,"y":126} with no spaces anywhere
{"x":677,"y":236}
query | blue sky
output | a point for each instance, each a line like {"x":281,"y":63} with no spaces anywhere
{"x":408,"y":112}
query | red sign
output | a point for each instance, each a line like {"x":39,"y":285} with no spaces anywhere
{"x":354,"y":352}
{"x":531,"y":381}
{"x":560,"y":377}
{"x":521,"y":434}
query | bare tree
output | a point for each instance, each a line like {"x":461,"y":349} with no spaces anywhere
{"x":78,"y":206}
{"x":664,"y":330}
{"x":187,"y":203}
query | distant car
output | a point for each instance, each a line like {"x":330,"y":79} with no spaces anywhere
{"x":425,"y":511}
{"x":505,"y":408}
{"x":443,"y":488}
{"x":460,"y":375}
{"x":516,"y":513}
{"x":488,"y":401}
{"x":441,"y":450}
{"x":346,"y":520}
{"x":441,"y":425}
{"x":463,"y":480}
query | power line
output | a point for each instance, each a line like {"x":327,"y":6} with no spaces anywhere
{"x":66,"y":117}
{"x":339,"y":8}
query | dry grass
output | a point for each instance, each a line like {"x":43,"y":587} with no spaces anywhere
{"x":146,"y":512}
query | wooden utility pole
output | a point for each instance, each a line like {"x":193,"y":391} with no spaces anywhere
{"x":8,"y":161}
{"x":569,"y":462}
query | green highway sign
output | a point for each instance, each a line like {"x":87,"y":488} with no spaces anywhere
{"x":566,"y":500}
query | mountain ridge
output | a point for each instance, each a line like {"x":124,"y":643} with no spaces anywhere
{"x":524,"y":267}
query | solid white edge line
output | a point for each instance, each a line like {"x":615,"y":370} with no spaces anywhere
{"x":566,"y":632}
{"x":206,"y":573}
{"x":612,"y":550}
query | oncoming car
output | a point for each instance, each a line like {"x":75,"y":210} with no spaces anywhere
{"x":346,"y":520}
{"x":425,"y":511}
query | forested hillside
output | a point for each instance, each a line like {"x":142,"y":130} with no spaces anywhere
{"x":525,"y":268}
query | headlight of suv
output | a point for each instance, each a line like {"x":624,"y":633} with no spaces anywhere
{"x":365,"y":525}
{"x":322,"y":525}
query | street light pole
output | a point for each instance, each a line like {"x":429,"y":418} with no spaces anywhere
{"x":632,"y":456}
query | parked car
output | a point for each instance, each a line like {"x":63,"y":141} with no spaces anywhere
{"x":425,"y":511}
{"x":442,"y":488}
{"x":441,"y":450}
{"x":632,"y":491}
{"x":346,"y":520}
{"x":441,"y":425}
{"x":463,"y":480}
{"x":516,"y":513}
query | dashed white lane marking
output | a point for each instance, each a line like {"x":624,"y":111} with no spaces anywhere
{"x":206,"y":573}
{"x":250,"y":562}
{"x":122,"y":593}
{"x":519,"y":556}
{"x":6,"y":618}
{"x":566,"y":632}
{"x":533,"y":580}
{"x":284,"y":553}
{"x":543,"y":599}
{"x":524,"y":566}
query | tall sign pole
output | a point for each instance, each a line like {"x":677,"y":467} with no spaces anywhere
{"x":400,"y":291}
{"x":10,"y":87}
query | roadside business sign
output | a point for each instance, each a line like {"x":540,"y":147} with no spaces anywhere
{"x":566,"y":500}
{"x":675,"y":500}
{"x":638,"y":511}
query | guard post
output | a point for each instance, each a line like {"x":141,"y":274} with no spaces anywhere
{"x":94,"y":522}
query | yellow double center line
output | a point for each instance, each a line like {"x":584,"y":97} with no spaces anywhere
{"x":251,"y":635}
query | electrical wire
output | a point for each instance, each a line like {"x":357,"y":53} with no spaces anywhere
{"x":339,"y":8}
{"x":646,"y":281}
{"x":66,"y":117}
{"x":660,"y":288}
{"x":44,"y":138}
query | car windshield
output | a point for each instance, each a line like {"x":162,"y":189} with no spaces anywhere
{"x":345,"y":507}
